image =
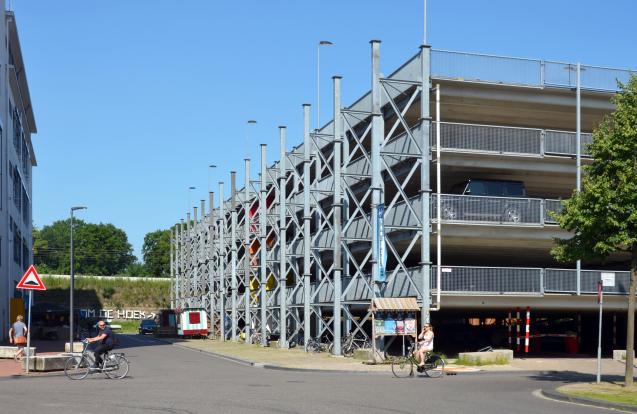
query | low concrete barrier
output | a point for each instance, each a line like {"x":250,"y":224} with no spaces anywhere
{"x":364,"y":354}
{"x":620,"y":354}
{"x":497,"y":356}
{"x":45,"y":363}
{"x":77,"y":347}
{"x":9,"y":351}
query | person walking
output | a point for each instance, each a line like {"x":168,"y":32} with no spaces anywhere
{"x":18,"y":336}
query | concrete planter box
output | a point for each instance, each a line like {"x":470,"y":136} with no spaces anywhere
{"x":364,"y":354}
{"x":620,"y":354}
{"x":497,"y":356}
{"x":77,"y":347}
{"x":9,"y":351}
{"x":45,"y":363}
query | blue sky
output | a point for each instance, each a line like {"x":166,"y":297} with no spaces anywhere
{"x":134,"y":99}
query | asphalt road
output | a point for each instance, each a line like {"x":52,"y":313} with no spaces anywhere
{"x":169,"y":379}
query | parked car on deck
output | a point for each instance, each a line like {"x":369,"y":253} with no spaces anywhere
{"x":499,"y":201}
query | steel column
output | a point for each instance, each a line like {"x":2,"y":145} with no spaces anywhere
{"x":283,"y":343}
{"x":425,"y":186}
{"x":222,"y":259}
{"x":337,"y":216}
{"x":233,"y":252}
{"x":307,"y":237}
{"x":246,"y":254}
{"x":263,"y":243}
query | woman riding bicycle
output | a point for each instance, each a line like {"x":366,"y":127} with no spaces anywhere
{"x":425,"y":344}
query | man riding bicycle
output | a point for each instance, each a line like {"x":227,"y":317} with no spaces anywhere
{"x":105,"y":334}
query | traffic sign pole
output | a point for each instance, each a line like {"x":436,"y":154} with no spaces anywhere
{"x":29,"y":329}
{"x":600,"y":293}
{"x":30,"y":281}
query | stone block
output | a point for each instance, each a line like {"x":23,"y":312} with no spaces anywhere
{"x":620,"y":354}
{"x":364,"y":354}
{"x":497,"y":356}
{"x":45,"y":363}
{"x":77,"y":347}
{"x":9,"y":351}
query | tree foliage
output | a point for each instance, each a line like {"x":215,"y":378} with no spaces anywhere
{"x":156,"y":253}
{"x":603,"y":215}
{"x":100,"y":249}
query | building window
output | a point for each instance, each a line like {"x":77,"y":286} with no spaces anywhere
{"x":17,"y":244}
{"x":26,"y":205}
{"x":25,"y":255}
{"x":17,"y":188}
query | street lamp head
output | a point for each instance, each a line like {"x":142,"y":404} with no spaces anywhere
{"x":192,"y":188}
{"x":212,"y":166}
{"x":325,"y":43}
{"x":78,"y":208}
{"x":252,"y":121}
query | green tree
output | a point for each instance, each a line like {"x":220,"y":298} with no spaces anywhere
{"x":603,"y":215}
{"x":156,"y":253}
{"x":100,"y":249}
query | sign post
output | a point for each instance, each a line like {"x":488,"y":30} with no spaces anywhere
{"x":607,"y":279}
{"x":30,"y":281}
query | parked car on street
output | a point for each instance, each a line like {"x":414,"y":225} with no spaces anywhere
{"x":147,"y":326}
{"x":487,"y":200}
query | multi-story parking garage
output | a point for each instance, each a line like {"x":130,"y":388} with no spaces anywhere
{"x":450,"y":202}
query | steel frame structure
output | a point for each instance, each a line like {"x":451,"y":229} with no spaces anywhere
{"x":299,"y":252}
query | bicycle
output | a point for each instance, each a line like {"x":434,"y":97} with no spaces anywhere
{"x":403,"y":366}
{"x":352,"y":343}
{"x":314,"y":345}
{"x":78,"y":366}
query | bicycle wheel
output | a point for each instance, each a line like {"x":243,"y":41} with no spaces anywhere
{"x":434,"y":366}
{"x":402,"y":367}
{"x":116,"y":368}
{"x":77,"y":367}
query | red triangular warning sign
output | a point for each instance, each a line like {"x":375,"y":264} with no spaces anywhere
{"x":31,"y":280}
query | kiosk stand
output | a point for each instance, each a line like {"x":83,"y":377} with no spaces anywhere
{"x":384,"y":324}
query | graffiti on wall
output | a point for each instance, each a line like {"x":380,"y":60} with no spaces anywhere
{"x":134,"y":314}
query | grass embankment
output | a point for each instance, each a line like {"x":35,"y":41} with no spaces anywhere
{"x":127,"y":325}
{"x":477,"y":362}
{"x":117,"y":293}
{"x":606,"y":391}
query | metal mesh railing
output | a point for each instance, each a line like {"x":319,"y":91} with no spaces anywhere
{"x":488,"y":138}
{"x":565,"y":143}
{"x":488,"y":280}
{"x":565,"y":281}
{"x":485,"y":68}
{"x":497,"y":210}
{"x":477,"y":67}
{"x":551,"y":206}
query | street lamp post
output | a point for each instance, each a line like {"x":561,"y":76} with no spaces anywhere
{"x":189,"y":191}
{"x":210,"y":168}
{"x":72,"y":284}
{"x":318,"y":80}
{"x":248,"y":123}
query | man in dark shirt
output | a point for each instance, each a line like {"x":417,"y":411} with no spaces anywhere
{"x":105,"y":334}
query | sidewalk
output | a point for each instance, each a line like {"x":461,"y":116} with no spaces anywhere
{"x":296,"y":358}
{"x":8,"y":367}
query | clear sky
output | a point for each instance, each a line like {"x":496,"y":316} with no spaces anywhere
{"x":135,"y":98}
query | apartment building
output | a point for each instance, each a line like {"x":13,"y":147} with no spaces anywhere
{"x":358,"y":210}
{"x":17,"y":158}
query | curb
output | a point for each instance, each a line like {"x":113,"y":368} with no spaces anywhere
{"x":558,"y":396}
{"x":292,"y":369}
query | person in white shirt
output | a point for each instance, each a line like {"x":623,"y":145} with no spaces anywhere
{"x":425,"y":343}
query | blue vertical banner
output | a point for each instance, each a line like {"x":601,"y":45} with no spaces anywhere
{"x":382,"y":250}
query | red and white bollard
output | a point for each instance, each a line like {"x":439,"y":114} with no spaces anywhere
{"x":517,"y":330}
{"x":528,"y":330}
{"x":509,"y":324}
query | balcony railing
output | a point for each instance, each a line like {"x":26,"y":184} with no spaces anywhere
{"x":538,"y":73}
{"x":565,"y":281}
{"x":491,"y":210}
{"x":508,"y":140}
{"x":554,"y":206}
{"x":489,"y":280}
